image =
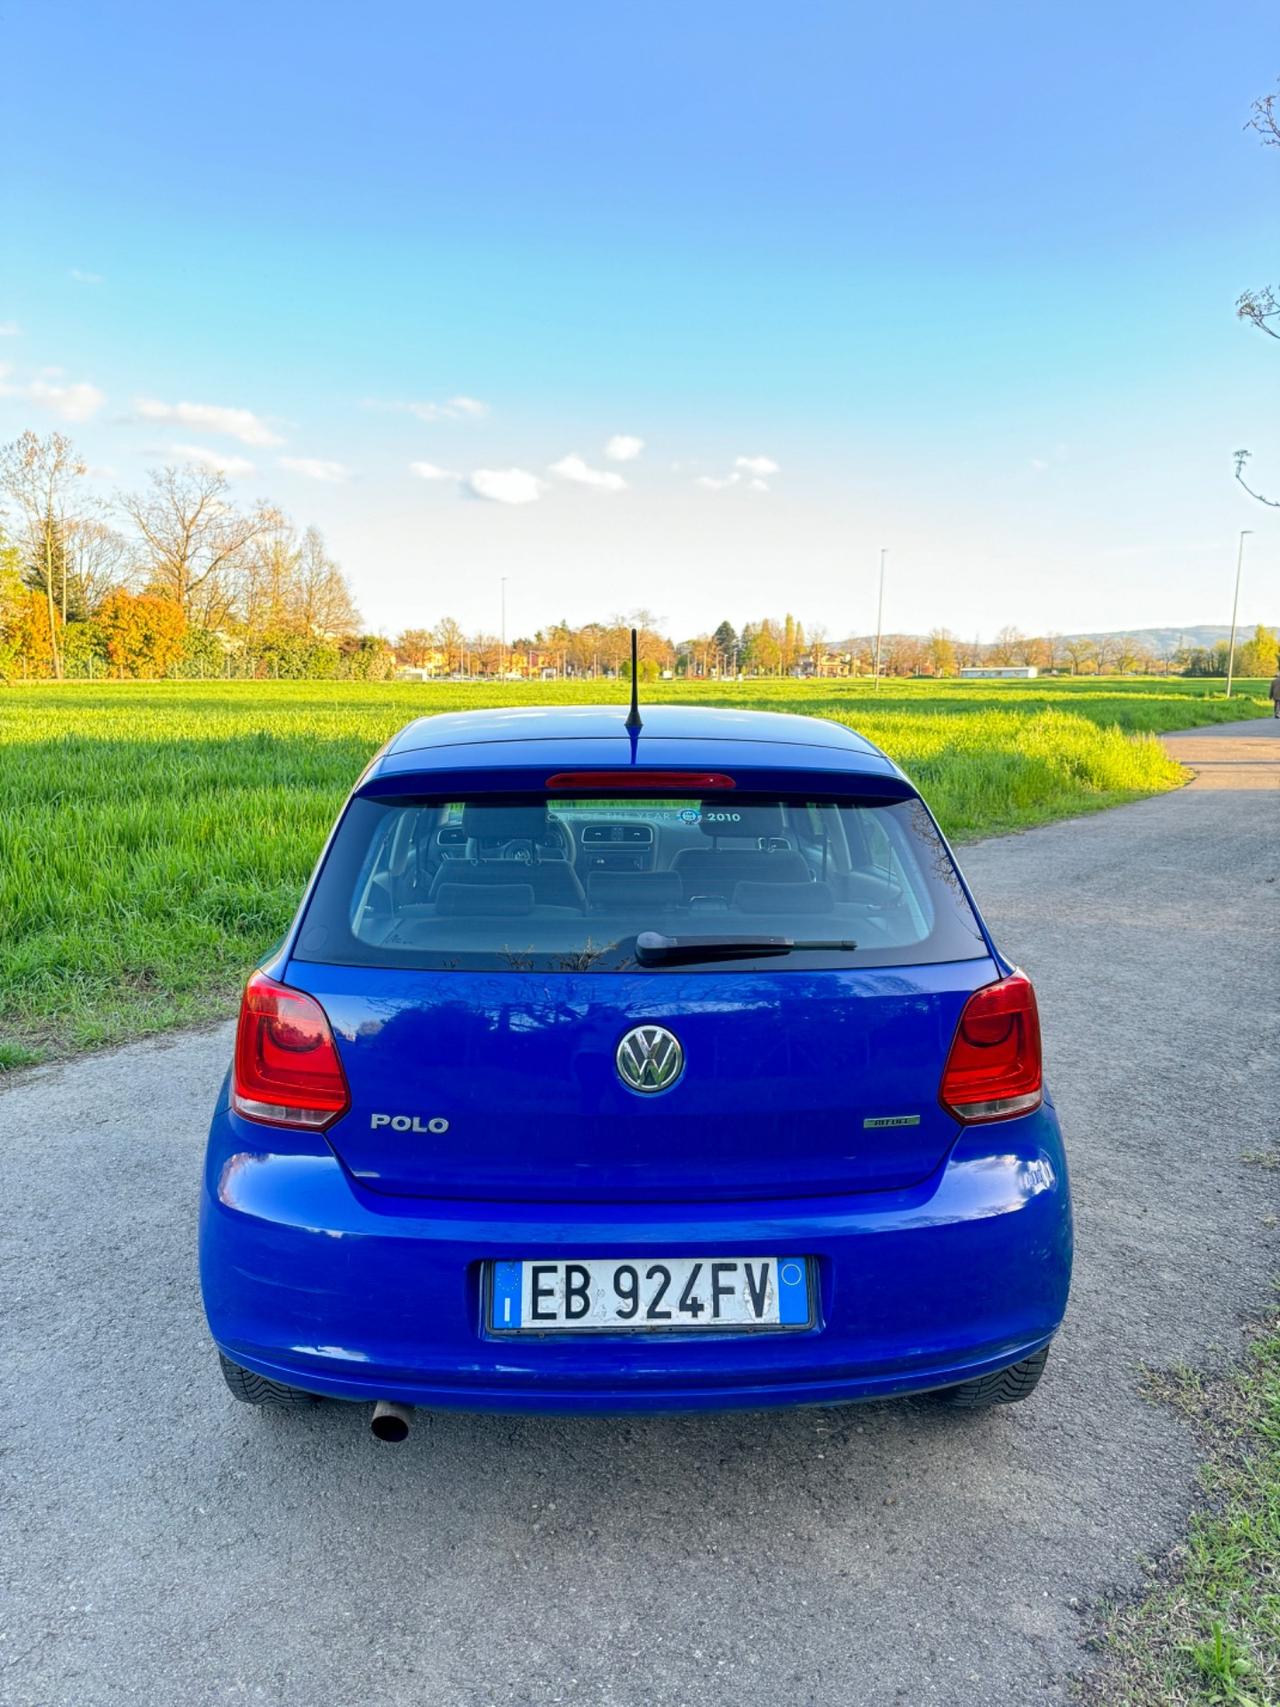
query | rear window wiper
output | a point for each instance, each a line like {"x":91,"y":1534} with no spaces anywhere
{"x":654,"y":949}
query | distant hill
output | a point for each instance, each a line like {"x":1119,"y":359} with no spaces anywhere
{"x":1161,"y":641}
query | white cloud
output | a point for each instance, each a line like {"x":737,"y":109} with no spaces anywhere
{"x":756,"y":466}
{"x":505,"y":485}
{"x":430,"y":471}
{"x":623,"y":447}
{"x":234,"y":467}
{"x":77,"y":402}
{"x":312,"y":468}
{"x":1039,"y":464}
{"x":454,"y":409}
{"x":8,"y":328}
{"x":81,"y":277}
{"x":240,"y":424}
{"x":572,"y":467}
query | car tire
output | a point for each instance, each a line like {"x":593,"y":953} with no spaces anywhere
{"x":1004,"y":1387}
{"x":260,"y":1390}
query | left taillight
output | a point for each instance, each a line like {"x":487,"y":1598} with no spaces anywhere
{"x":287,"y":1071}
{"x":993,"y":1071}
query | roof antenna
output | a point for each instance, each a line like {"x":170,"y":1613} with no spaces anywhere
{"x":633,"y":723}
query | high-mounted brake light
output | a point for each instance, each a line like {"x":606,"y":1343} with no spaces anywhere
{"x":993,"y":1069}
{"x":688,"y":782}
{"x":287,"y":1071}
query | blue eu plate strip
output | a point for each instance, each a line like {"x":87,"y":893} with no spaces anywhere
{"x":793,"y":1291}
{"x":506,"y":1295}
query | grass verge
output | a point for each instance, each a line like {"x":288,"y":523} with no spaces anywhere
{"x":154,"y":837}
{"x":1208,"y":1633}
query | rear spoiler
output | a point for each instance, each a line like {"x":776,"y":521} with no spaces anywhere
{"x":392,"y":781}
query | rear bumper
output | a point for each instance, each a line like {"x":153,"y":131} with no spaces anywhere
{"x":313,"y":1281}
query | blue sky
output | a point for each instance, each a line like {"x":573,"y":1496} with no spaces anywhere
{"x":954,"y":280}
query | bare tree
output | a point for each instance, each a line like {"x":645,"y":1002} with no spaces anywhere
{"x":1079,"y":653}
{"x":904,"y":655}
{"x":452,"y":643}
{"x":1008,"y":647}
{"x":615,"y":644}
{"x":267,"y":576}
{"x":942,"y":652}
{"x":292,"y":584}
{"x":1242,"y":456}
{"x":487,"y":653}
{"x":322,"y":599}
{"x":1261,"y":308}
{"x":38,"y":476}
{"x":195,"y":541}
{"x":415,"y":646}
{"x":584,"y":651}
{"x":97,"y":561}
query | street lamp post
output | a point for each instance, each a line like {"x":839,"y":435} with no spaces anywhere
{"x":1235,"y":607}
{"x":880,"y":616}
{"x":503,"y":584}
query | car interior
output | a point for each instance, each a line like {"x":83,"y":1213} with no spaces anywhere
{"x":583,"y":875}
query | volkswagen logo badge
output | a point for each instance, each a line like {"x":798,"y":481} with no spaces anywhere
{"x":650,"y":1058}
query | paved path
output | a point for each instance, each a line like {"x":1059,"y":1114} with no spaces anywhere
{"x":165,"y":1546}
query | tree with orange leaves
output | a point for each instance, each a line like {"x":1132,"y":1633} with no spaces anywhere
{"x":143,"y":631}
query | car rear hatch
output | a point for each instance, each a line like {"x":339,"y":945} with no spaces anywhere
{"x":505,"y":1085}
{"x":480,"y":942}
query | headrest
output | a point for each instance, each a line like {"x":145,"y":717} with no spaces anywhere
{"x":726,"y":818}
{"x":783,"y":898}
{"x":484,"y":900}
{"x":485,"y":823}
{"x":634,"y":889}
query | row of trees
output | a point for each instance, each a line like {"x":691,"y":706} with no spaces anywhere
{"x":1077,"y":655}
{"x":176,"y":580}
{"x":774,"y":647}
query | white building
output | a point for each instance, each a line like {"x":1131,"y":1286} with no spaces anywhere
{"x":1020,"y":672}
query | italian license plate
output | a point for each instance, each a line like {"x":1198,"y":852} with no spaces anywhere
{"x":649,"y":1295}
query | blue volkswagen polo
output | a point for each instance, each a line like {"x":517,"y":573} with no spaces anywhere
{"x":608,"y":1069}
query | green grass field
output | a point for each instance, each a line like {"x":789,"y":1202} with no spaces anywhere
{"x":154,"y":837}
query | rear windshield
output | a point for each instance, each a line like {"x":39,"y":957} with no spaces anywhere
{"x":531,"y":884}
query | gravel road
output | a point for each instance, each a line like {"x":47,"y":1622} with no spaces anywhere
{"x":166,"y":1546}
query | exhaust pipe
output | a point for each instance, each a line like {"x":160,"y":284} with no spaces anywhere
{"x":391,"y":1421}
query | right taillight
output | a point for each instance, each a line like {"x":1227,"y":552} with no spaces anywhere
{"x":287,"y":1071}
{"x":993,"y":1069}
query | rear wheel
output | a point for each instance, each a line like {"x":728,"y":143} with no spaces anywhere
{"x":1005,"y":1387}
{"x":253,"y":1389}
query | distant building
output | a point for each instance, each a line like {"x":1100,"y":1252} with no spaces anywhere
{"x":1022,"y":672}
